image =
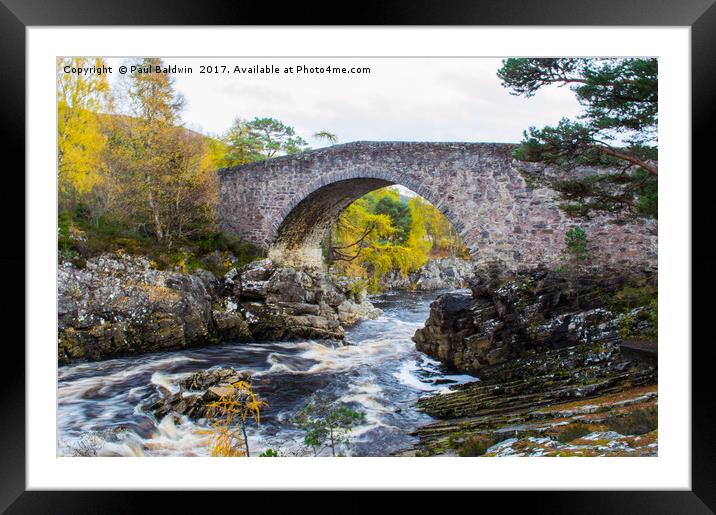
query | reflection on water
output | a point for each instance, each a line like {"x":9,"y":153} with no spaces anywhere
{"x":376,"y":370}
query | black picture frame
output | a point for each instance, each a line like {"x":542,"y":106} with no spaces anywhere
{"x":16,"y":15}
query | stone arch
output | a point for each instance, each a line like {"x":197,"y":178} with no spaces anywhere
{"x":477,"y":186}
{"x":299,"y":227}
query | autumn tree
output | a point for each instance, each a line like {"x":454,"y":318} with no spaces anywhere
{"x":358,"y":228}
{"x":616,"y":131}
{"x":80,"y":141}
{"x":229,"y":417}
{"x":373,"y":237}
{"x":161,"y":178}
{"x":218,"y":152}
{"x":443,"y":237}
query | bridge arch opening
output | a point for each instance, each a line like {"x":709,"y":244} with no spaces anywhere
{"x":300,"y":237}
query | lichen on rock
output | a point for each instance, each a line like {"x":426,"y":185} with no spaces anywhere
{"x":526,"y":313}
{"x":556,"y":377}
{"x":437,"y":274}
{"x":284,"y":303}
{"x":119,"y":305}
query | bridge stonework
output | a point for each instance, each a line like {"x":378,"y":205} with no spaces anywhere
{"x":286,"y":204}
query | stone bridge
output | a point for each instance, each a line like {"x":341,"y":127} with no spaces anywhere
{"x":286,"y":204}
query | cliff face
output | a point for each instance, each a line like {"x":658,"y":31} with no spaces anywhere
{"x":118,"y":305}
{"x":528,"y":313}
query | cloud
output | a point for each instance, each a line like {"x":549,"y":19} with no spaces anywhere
{"x":409,"y":99}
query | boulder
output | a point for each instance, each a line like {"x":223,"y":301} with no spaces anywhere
{"x":350,"y":312}
{"x":204,"y":379}
{"x":231,"y":326}
{"x":284,"y":303}
{"x":119,"y":304}
{"x":197,"y":391}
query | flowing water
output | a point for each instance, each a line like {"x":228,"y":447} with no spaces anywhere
{"x":103,"y":406}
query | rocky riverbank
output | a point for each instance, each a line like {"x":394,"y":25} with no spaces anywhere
{"x":566,"y":361}
{"x":508,"y":316}
{"x":587,"y":400}
{"x":438,"y":274}
{"x":119,"y":305}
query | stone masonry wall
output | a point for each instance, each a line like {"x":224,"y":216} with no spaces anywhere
{"x":286,"y":204}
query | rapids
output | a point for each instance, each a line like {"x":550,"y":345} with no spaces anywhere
{"x":103,"y":406}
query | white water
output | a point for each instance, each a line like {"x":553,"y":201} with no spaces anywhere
{"x":103,"y":406}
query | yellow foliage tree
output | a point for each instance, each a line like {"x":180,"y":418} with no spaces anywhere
{"x":162,"y":175}
{"x":80,"y":141}
{"x":361,"y":243}
{"x":218,"y":150}
{"x":443,"y":238}
{"x":229,"y":416}
{"x":364,"y":246}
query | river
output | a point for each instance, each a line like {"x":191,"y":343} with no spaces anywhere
{"x":103,"y":406}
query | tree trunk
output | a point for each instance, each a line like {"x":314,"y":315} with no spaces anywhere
{"x":333,"y":443}
{"x":329,"y":246}
{"x":246,"y":438}
{"x":155,"y":213}
{"x":631,"y":159}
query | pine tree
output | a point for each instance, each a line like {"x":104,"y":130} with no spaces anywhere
{"x":261,"y":138}
{"x":616,"y":131}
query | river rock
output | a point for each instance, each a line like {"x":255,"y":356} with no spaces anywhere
{"x":507,"y":317}
{"x":204,"y":379}
{"x":285,"y":303}
{"x":232,"y":325}
{"x":438,"y":274}
{"x":119,"y":304}
{"x":586,"y":400}
{"x":197,"y":391}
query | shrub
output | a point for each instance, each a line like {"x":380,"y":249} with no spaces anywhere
{"x":326,"y":425}
{"x":654,"y":311}
{"x":475,"y":445}
{"x":630,"y":297}
{"x":357,"y":288}
{"x":80,"y":239}
{"x":576,"y":242}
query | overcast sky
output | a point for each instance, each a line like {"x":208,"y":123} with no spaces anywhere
{"x":400,"y":99}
